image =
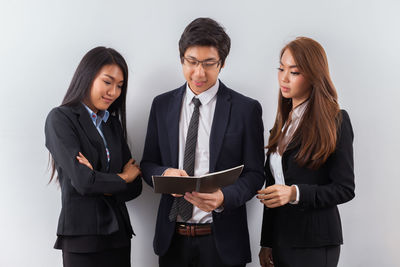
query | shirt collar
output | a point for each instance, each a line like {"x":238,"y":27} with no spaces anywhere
{"x":205,"y":97}
{"x":298,"y":111}
{"x":102,"y":115}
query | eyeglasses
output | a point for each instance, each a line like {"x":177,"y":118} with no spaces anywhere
{"x":206,"y":64}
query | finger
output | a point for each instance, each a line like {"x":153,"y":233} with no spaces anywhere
{"x":199,"y":203}
{"x":270,"y":263}
{"x":133,"y":161}
{"x":84,"y":163}
{"x":203,"y":196}
{"x":193,"y":196}
{"x":192,"y":201}
{"x":270,"y":202}
{"x":271,"y":189}
{"x":183,"y":173}
{"x":202,"y":206}
{"x":80,"y":159}
{"x":82,"y":156}
{"x":273,"y":205}
{"x":263,"y":196}
{"x":268,"y":196}
{"x":188,"y":195}
{"x":177,"y":195}
{"x":271,"y":260}
{"x":130,"y":161}
{"x":262,"y":191}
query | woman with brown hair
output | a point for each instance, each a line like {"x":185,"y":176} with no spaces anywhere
{"x":309,"y":165}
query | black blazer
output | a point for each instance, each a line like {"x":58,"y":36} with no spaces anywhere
{"x":315,"y":220}
{"x":236,"y":138}
{"x":85,"y":210}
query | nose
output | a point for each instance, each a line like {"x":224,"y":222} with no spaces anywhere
{"x":113,"y":90}
{"x":199,"y":70}
{"x":284,"y":76}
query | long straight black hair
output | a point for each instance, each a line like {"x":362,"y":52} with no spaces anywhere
{"x":82,"y":81}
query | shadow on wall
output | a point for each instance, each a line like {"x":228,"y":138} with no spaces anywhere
{"x":143,"y":214}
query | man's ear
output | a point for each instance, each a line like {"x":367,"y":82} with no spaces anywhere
{"x":221,"y":67}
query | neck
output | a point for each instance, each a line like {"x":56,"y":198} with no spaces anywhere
{"x":91,"y":106}
{"x":298,"y":102}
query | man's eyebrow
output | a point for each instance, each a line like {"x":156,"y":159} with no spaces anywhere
{"x":207,"y":59}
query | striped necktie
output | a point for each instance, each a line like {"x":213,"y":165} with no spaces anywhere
{"x":181,"y":206}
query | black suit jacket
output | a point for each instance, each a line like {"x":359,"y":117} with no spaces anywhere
{"x":315,"y":220}
{"x":236,"y":138}
{"x":85,"y":209}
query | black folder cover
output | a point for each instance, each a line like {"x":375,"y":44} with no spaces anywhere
{"x":207,"y":183}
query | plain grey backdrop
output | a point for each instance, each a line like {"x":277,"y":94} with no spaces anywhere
{"x":42,"y":43}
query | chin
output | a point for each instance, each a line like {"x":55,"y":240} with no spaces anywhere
{"x":103,"y":107}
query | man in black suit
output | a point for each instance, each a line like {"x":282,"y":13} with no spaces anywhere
{"x":201,"y":127}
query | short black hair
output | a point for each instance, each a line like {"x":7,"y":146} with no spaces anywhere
{"x":205,"y":32}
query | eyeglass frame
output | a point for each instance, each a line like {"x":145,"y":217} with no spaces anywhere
{"x":202,"y":62}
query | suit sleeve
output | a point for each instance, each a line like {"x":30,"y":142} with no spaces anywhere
{"x":134,"y":189}
{"x":267,"y":230}
{"x":151,"y":160}
{"x":341,"y":173}
{"x":252,"y":177}
{"x":63,"y":143}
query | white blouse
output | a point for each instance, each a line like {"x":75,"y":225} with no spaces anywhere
{"x":275,"y":159}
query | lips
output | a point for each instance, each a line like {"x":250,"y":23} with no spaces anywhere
{"x":107,"y":100}
{"x":199,"y":84}
{"x":285,"y":89}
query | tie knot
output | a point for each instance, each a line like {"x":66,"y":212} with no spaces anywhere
{"x":196,"y":102}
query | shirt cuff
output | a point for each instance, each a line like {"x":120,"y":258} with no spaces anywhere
{"x":297,"y":196}
{"x":219,"y":209}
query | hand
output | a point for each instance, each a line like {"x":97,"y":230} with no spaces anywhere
{"x":175,"y":172}
{"x":82,"y":160}
{"x":206,"y":201}
{"x":130,"y":171}
{"x":277,"y":195}
{"x":265,"y":257}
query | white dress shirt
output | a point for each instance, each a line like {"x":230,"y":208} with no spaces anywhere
{"x":275,"y":159}
{"x":208,"y":101}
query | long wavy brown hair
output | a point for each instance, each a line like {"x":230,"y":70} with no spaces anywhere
{"x":317,"y":132}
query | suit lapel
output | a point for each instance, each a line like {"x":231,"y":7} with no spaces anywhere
{"x":220,"y":122}
{"x":173,"y":117}
{"x":92,"y":134}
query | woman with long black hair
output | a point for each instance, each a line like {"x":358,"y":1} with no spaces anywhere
{"x":86,"y":137}
{"x":309,"y":167}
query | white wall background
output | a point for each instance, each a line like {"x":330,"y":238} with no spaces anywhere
{"x":42,"y":43}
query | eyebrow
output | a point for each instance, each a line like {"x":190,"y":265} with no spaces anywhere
{"x":112,"y":78}
{"x":207,"y":59}
{"x":291,"y":66}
